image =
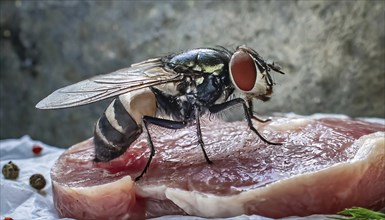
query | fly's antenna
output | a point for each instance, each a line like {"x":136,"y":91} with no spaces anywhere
{"x":275,"y":67}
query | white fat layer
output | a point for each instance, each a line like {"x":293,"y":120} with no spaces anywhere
{"x":111,"y":117}
{"x":156,"y":191}
{"x":139,"y":103}
{"x":206,"y":205}
{"x":210,"y":206}
{"x":92,"y":202}
{"x":283,"y":124}
{"x":124,"y":184}
{"x":370,"y":145}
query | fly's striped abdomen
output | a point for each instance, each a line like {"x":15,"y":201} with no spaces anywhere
{"x":114,"y":132}
{"x":120,"y":124}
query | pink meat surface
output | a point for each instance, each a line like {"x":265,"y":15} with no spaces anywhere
{"x":324,"y":166}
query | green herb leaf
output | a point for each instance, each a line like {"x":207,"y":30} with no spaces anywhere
{"x":357,"y":213}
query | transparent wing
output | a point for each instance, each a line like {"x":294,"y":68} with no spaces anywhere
{"x":140,"y":75}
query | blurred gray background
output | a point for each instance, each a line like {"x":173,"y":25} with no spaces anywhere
{"x":332,"y":51}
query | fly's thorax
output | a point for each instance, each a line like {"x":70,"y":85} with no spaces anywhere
{"x":170,"y":106}
{"x":203,"y":60}
{"x":205,"y":77}
{"x":173,"y":88}
{"x":225,"y":95}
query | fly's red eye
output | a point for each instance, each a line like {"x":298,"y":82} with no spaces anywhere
{"x":243,"y":71}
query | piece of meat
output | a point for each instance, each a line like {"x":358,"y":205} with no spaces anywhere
{"x":324,"y":166}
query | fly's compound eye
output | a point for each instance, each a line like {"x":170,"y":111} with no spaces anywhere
{"x":243,"y":71}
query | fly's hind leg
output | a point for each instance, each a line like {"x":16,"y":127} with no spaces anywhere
{"x":219,"y":107}
{"x":161,"y":123}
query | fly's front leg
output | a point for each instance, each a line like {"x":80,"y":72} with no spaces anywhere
{"x":225,"y":105}
{"x":250,"y":104}
{"x":161,"y":123}
{"x":199,"y":134}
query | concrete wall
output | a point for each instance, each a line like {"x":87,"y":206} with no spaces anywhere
{"x":332,"y":51}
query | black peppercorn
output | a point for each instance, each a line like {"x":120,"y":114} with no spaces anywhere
{"x":37,"y":181}
{"x":10,"y":171}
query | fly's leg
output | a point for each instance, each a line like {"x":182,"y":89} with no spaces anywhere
{"x":199,"y":134}
{"x":219,"y":107}
{"x":250,"y":104}
{"x":161,"y":123}
{"x":262,"y":120}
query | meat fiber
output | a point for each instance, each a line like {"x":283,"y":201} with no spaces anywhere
{"x":324,"y":166}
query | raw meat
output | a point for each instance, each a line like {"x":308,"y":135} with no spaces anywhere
{"x":324,"y":166}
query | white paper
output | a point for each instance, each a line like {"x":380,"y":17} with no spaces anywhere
{"x":18,"y":199}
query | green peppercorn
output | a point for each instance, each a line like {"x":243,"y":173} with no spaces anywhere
{"x":10,"y":171}
{"x":37,"y":181}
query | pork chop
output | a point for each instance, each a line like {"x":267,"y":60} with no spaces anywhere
{"x":323,"y":166}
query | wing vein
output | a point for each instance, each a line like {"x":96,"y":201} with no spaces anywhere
{"x":138,"y":76}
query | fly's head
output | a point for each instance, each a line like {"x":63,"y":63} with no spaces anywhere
{"x":250,"y":74}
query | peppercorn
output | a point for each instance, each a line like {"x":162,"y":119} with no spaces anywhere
{"x":10,"y":171}
{"x":37,"y":181}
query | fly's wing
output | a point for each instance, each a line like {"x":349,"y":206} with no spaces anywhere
{"x":138,"y":76}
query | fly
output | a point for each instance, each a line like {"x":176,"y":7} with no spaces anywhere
{"x":183,"y":86}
